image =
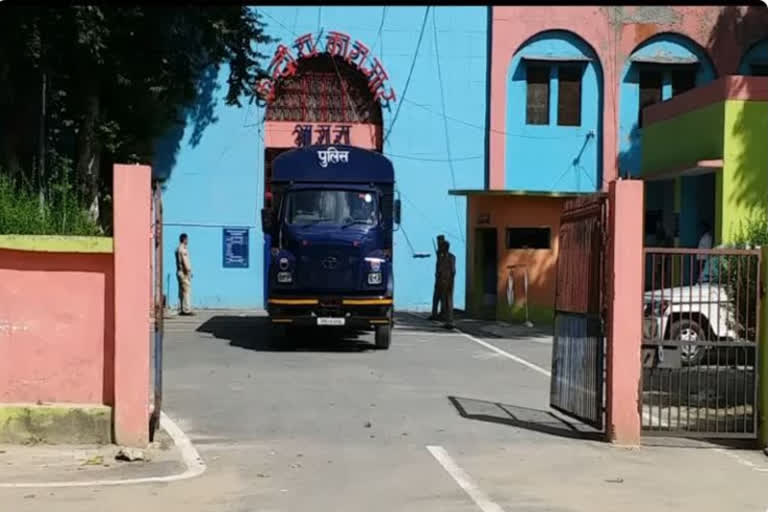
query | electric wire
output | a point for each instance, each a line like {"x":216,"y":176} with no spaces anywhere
{"x":445,"y":122}
{"x":410,"y":73}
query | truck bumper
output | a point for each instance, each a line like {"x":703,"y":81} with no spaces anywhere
{"x":351,"y":312}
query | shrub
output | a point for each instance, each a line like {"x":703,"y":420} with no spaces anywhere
{"x":742,"y":274}
{"x":22,"y":212}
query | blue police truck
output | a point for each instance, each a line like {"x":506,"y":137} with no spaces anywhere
{"x":329,"y":235}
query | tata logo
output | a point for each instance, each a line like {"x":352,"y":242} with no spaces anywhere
{"x":332,"y":156}
{"x":329,"y":263}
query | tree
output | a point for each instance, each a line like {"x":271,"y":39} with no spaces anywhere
{"x":86,"y":86}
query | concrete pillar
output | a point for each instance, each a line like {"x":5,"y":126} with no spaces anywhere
{"x":625,"y":303}
{"x":132,"y":236}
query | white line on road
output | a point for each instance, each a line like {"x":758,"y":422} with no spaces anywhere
{"x":192,"y":459}
{"x":464,"y":480}
{"x":507,"y":354}
{"x":744,"y":462}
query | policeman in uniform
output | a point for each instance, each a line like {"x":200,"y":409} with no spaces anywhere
{"x":184,"y":274}
{"x":445,"y":278}
{"x":436,"y":291}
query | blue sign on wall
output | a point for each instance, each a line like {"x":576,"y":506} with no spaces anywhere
{"x":235,"y":247}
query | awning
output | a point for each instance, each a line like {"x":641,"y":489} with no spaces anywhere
{"x":664,"y":59}
{"x":695,"y":169}
{"x":529,"y":193}
{"x":556,"y":58}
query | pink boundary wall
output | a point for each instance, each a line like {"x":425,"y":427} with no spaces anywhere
{"x":133,"y":238}
{"x":613,"y":33}
{"x":74,"y":327}
{"x":56,"y":327}
{"x":624,"y":275}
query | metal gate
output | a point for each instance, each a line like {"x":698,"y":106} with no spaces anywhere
{"x":701,"y":326}
{"x":578,"y":349}
{"x":158,"y":303}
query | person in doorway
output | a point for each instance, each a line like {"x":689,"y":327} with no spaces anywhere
{"x":184,"y":275}
{"x":436,"y":291}
{"x":705,"y":242}
{"x":445,"y":280}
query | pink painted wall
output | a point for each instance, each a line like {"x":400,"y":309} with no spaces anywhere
{"x":56,"y":327}
{"x":74,"y":327}
{"x":133,"y":235}
{"x":625,"y":307}
{"x":613,"y":32}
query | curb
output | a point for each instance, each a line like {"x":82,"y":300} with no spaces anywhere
{"x":192,"y":460}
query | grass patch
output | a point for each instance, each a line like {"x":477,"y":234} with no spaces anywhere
{"x":23,"y":213}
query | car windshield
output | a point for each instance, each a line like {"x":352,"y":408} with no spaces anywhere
{"x":333,"y":207}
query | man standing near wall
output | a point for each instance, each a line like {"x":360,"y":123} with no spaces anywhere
{"x":184,"y":274}
{"x":436,"y":292}
{"x":445,"y":281}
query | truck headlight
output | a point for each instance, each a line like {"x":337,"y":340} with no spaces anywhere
{"x":374,"y":278}
{"x":284,"y":277}
{"x":375,"y":263}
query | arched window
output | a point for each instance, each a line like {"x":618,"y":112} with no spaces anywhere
{"x":554,"y":115}
{"x":658,"y":69}
{"x":755,"y":60}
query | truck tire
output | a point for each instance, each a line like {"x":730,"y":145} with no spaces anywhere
{"x":280,"y":336}
{"x":383,"y":336}
{"x":689,"y":330}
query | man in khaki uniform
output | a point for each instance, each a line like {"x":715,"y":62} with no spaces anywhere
{"x":436,"y":292}
{"x":184,"y":274}
{"x":445,"y":277}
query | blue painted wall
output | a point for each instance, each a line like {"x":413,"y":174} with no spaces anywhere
{"x":216,"y":174}
{"x":758,"y":54}
{"x":552,"y":157}
{"x":630,"y":135}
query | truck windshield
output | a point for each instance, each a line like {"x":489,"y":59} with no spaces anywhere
{"x":333,"y":207}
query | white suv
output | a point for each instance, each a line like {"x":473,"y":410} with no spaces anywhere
{"x":698,"y":312}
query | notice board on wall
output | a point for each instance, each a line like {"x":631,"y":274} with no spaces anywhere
{"x":235,"y":247}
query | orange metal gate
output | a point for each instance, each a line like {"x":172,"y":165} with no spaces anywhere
{"x":579,"y":343}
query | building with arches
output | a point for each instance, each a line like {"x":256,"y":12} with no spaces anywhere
{"x":568,"y":91}
{"x":407,"y":81}
{"x":492,"y":116}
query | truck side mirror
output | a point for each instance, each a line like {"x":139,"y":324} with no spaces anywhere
{"x":396,"y":211}
{"x":266,"y":220}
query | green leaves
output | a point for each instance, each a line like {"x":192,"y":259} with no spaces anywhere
{"x":117,"y":78}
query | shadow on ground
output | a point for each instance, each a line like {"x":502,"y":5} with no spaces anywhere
{"x":255,"y":333}
{"x":535,"y":420}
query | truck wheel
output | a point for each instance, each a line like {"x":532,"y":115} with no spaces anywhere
{"x":383,"y":336}
{"x":279,"y":336}
{"x":688,"y":330}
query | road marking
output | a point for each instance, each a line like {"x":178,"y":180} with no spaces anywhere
{"x":194,"y":463}
{"x":483,"y":502}
{"x":744,"y":462}
{"x":504,"y":353}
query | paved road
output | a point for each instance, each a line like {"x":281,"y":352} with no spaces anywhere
{"x":333,"y":425}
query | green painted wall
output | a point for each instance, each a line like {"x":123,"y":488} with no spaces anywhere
{"x":693,"y":136}
{"x":57,"y":243}
{"x":744,"y":189}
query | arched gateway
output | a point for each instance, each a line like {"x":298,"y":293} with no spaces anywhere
{"x":321,"y":90}
{"x":332,"y":95}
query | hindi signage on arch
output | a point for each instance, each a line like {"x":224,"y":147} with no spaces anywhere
{"x":337,"y":44}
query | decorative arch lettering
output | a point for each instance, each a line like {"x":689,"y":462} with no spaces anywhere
{"x":337,"y":44}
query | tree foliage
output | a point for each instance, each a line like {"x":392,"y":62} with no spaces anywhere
{"x":99,"y":84}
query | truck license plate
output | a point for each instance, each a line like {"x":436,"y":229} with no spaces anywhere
{"x":330,"y":321}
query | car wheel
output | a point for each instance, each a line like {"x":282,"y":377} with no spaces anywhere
{"x":688,"y":330}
